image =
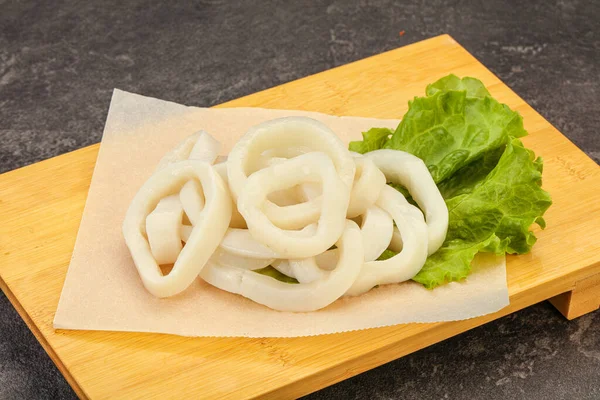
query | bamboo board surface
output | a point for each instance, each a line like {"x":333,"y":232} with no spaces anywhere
{"x":41,"y":207}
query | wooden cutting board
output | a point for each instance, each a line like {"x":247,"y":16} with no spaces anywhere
{"x":41,"y":207}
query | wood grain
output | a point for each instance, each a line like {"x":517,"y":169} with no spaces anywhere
{"x":41,"y":207}
{"x":583,"y":299}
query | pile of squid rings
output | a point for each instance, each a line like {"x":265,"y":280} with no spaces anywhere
{"x":291,"y":196}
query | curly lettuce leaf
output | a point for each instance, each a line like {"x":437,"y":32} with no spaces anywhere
{"x":464,"y":180}
{"x":492,"y":214}
{"x":490,"y":182}
{"x":473,"y":87}
{"x":373,"y":139}
{"x":455,"y":124}
{"x":452,"y":262}
{"x":449,"y":130}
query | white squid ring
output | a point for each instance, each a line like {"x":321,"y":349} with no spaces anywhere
{"x":305,"y":270}
{"x":311,"y":167}
{"x":237,"y":221}
{"x":223,"y":257}
{"x":287,"y":209}
{"x":199,"y":146}
{"x":163,"y":228}
{"x":205,"y":236}
{"x":301,"y":297}
{"x":411,"y":172}
{"x":368,"y":182}
{"x":192,"y":200}
{"x":241,"y":243}
{"x":410,"y":260}
{"x":293,"y":133}
{"x":376,"y":228}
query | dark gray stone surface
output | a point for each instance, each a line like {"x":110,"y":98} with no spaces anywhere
{"x":60,"y":60}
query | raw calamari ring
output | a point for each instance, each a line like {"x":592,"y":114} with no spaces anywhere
{"x":410,"y":260}
{"x":376,"y":228}
{"x":286,"y":152}
{"x":207,"y":148}
{"x":293,"y":216}
{"x":411,"y":172}
{"x":301,"y":297}
{"x":368,"y":182}
{"x":223,"y":257}
{"x":241,"y":243}
{"x":192,"y":200}
{"x":310,"y":167}
{"x":305,"y":270}
{"x":287,"y":208}
{"x":325,"y":261}
{"x":237,"y":221}
{"x":163,"y":230}
{"x":205,"y":236}
{"x":199,"y":146}
{"x":284,"y":267}
{"x":287,"y":133}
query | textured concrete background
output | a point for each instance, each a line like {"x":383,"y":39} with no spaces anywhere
{"x":60,"y":60}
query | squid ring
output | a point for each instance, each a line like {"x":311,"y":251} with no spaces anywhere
{"x":411,"y":172}
{"x":199,"y":146}
{"x":241,"y":243}
{"x":290,"y":132}
{"x":204,"y":238}
{"x":223,"y":257}
{"x":192,"y":200}
{"x":305,"y":270}
{"x":376,"y":228}
{"x":301,"y":297}
{"x":288,"y":209}
{"x":368,"y":182}
{"x":163,"y":228}
{"x":293,"y":216}
{"x":410,"y":260}
{"x":237,"y":221}
{"x":311,"y":167}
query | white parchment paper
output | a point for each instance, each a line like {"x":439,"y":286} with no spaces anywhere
{"x":102,"y":290}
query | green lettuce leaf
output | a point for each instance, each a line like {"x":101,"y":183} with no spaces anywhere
{"x":449,"y":128}
{"x":473,"y":87}
{"x":373,"y":139}
{"x":491,"y":183}
{"x":492,"y":214}
{"x":452,"y":262}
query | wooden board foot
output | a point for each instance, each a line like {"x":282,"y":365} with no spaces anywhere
{"x":584,"y":299}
